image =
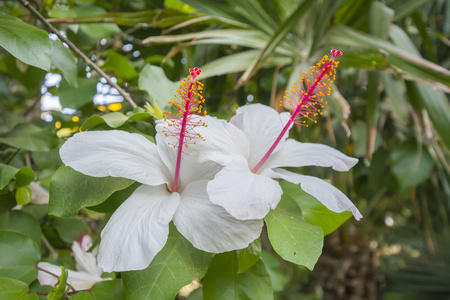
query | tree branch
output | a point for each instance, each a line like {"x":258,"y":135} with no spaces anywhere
{"x":74,"y":48}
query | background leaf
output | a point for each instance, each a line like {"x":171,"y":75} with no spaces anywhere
{"x":291,"y":237}
{"x":71,"y":190}
{"x":222,"y":280}
{"x":19,"y":256}
{"x":28,"y":43}
{"x":175,"y":266}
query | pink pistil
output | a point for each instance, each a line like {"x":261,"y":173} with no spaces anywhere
{"x":182,"y":125}
{"x":306,"y":100}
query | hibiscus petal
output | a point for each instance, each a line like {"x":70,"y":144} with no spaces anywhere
{"x":326,"y":193}
{"x":78,"y":280}
{"x":114,"y":153}
{"x":138,"y":229}
{"x":221,"y":141}
{"x":262,"y":125}
{"x":85,"y":261}
{"x":243,"y":194}
{"x":208,"y":226}
{"x":296,"y":154}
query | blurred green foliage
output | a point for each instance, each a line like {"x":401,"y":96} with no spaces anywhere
{"x":390,"y":108}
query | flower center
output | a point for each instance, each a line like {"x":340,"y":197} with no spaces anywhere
{"x":304,"y":99}
{"x":188,"y":104}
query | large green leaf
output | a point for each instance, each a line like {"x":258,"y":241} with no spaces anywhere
{"x":314,"y":212}
{"x":291,"y":237}
{"x":277,"y":38}
{"x":26,"y":42}
{"x":415,"y":67}
{"x":119,"y":65}
{"x":76,"y":97}
{"x":19,"y":221}
{"x":239,"y":62}
{"x":13,"y":289}
{"x":250,"y":12}
{"x":23,"y":175}
{"x":108,"y":290}
{"x":63,"y":59}
{"x":113,"y":120}
{"x":247,"y":257}
{"x":175,"y":266}
{"x":70,"y":229}
{"x":222,"y":280}
{"x":438,"y":108}
{"x":30,"y":137}
{"x":278,"y":275}
{"x":19,"y":256}
{"x":71,"y":190}
{"x":153,"y":80}
{"x":411,"y":163}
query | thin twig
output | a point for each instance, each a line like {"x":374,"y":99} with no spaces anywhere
{"x":74,"y":48}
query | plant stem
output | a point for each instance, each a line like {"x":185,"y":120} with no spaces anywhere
{"x":74,"y":48}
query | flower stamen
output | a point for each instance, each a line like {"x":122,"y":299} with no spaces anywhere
{"x":305,"y":99}
{"x":188,"y":111}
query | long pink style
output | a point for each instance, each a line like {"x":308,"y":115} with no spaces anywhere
{"x":305,"y":97}
{"x":188,"y":104}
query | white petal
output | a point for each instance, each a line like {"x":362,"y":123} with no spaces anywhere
{"x":326,"y":193}
{"x":208,"y":226}
{"x":262,"y":125}
{"x":78,"y":280}
{"x":85,"y":261}
{"x":137,"y":230}
{"x":114,"y":153}
{"x":243,"y":194}
{"x":296,"y":154}
{"x":190,"y":169}
{"x":221,"y":141}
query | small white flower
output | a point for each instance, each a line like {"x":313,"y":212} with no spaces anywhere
{"x":139,"y":228}
{"x":87,"y":274}
{"x":248,"y":191}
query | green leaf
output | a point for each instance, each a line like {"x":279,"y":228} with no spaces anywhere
{"x":175,"y":266}
{"x":12,"y":289}
{"x":314,"y":212}
{"x":278,"y":276}
{"x":249,"y":256}
{"x":115,"y":200}
{"x":23,"y":175}
{"x":82,"y":295}
{"x":223,"y":282}
{"x":108,"y":290}
{"x":438,"y":108}
{"x":96,"y":31}
{"x":76,"y":97}
{"x":19,"y":256}
{"x":291,"y":237}
{"x":380,"y":19}
{"x":153,"y":80}
{"x":59,"y":290}
{"x":113,"y":120}
{"x":30,"y":137}
{"x":277,"y":38}
{"x":19,"y":221}
{"x":119,"y":65}
{"x":70,"y":229}
{"x":63,"y":59}
{"x":415,"y":67}
{"x":23,"y":195}
{"x":26,"y":42}
{"x":411,"y":163}
{"x":71,"y":190}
